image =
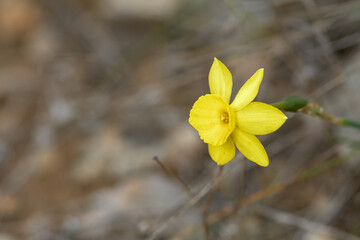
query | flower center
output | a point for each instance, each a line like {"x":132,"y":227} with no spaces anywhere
{"x":224,"y":117}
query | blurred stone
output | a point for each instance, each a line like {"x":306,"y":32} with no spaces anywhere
{"x":43,"y":45}
{"x":38,"y":227}
{"x":4,"y":150}
{"x":4,"y":236}
{"x":140,"y":199}
{"x":229,"y":230}
{"x":141,"y":9}
{"x":184,"y":149}
{"x":17,"y":78}
{"x":9,"y":205}
{"x":322,"y":207}
{"x":18,"y":17}
{"x":61,"y":111}
{"x":103,"y":149}
{"x":319,"y":235}
{"x":43,"y":159}
{"x":44,"y":135}
{"x":142,"y":196}
{"x":109,"y":154}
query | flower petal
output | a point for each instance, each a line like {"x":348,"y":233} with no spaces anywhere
{"x":220,"y":80}
{"x":205,"y":116}
{"x":259,"y":118}
{"x":248,"y":91}
{"x":250,"y":147}
{"x":224,"y":153}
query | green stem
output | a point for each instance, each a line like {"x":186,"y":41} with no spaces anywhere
{"x":279,"y":105}
{"x":298,"y":104}
{"x":291,"y":104}
{"x":350,"y":123}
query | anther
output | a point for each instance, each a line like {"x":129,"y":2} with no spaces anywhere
{"x":224,"y":117}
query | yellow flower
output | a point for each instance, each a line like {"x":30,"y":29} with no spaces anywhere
{"x":222,"y":125}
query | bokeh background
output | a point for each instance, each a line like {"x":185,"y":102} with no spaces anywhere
{"x":92,"y":90}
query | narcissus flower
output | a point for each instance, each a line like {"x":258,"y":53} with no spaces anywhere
{"x":223,"y":125}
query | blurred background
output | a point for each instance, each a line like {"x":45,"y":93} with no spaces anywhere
{"x":92,"y":90}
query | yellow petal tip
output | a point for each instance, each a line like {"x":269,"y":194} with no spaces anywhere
{"x":262,"y":164}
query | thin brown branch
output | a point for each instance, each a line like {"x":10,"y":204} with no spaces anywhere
{"x":186,"y":188}
{"x":156,"y":234}
{"x":175,"y":176}
{"x":242,"y":191}
{"x":209,"y":200}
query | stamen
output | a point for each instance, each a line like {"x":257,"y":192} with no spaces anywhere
{"x":224,"y":117}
